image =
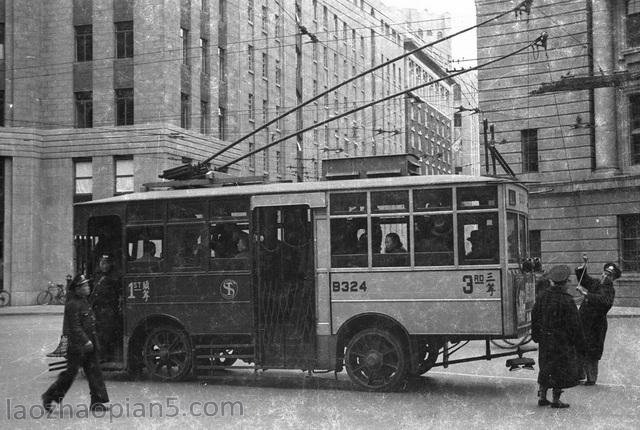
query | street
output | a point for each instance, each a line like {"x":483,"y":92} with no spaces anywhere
{"x":481,"y":394}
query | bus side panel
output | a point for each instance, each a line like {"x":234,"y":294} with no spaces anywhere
{"x":215,"y":304}
{"x":424,"y":302}
{"x":518,"y":310}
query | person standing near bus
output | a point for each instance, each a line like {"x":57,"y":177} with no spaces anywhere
{"x":80,"y":324}
{"x":555,"y":326}
{"x":105,"y":302}
{"x":598,"y":299}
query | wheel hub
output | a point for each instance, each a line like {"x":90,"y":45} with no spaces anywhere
{"x":373,"y":360}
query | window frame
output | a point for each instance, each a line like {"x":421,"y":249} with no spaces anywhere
{"x":84,"y":43}
{"x":124,"y":106}
{"x":117,"y":175}
{"x":124,"y":39}
{"x":82,"y":197}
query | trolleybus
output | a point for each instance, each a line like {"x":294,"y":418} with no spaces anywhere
{"x":373,"y":275}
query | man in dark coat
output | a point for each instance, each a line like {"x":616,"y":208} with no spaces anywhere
{"x":105,"y":302}
{"x":555,"y":326}
{"x":598,"y":299}
{"x":80,"y":326}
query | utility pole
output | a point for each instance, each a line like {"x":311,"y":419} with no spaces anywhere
{"x":299,"y":141}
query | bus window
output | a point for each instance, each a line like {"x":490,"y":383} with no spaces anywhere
{"x":523,"y":228}
{"x":230,"y":246}
{"x":221,"y":209}
{"x":348,"y":203}
{"x":395,"y":242}
{"x":349,"y":243}
{"x":477,"y":198}
{"x":432,"y":200}
{"x":433,"y":240}
{"x":512,"y":237}
{"x":144,"y":249}
{"x":187,"y":247}
{"x":186,"y":209}
{"x":478,"y":238}
{"x":145,"y":211}
{"x":390,"y":201}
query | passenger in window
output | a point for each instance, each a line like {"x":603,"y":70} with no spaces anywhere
{"x":361,"y":247}
{"x":393,"y":244}
{"x":243,"y":246}
{"x":483,"y":246}
{"x":148,"y":253}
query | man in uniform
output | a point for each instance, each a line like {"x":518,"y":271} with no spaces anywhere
{"x":80,"y":326}
{"x":555,"y":326}
{"x":598,"y":299}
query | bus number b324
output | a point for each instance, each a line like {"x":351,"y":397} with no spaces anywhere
{"x":348,"y":286}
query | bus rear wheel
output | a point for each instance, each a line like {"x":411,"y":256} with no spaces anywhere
{"x":167,"y":353}
{"x":376,"y":360}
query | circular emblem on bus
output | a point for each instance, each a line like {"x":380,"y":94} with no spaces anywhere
{"x":228,"y":289}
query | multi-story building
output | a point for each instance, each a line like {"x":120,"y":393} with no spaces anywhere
{"x":99,"y":97}
{"x":576,"y":140}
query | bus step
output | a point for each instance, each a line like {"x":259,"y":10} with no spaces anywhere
{"x":226,"y":345}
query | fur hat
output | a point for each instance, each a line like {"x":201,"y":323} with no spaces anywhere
{"x":613,"y":269}
{"x":559,"y":273}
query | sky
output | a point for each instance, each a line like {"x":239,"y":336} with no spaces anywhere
{"x":463,"y":14}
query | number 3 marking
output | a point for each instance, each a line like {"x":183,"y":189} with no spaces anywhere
{"x":468,"y":280}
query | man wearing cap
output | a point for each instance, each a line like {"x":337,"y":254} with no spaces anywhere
{"x":80,"y":326}
{"x":555,"y":326}
{"x":598,"y":299}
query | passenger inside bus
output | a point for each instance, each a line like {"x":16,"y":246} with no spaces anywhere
{"x":483,"y":245}
{"x":393,"y":244}
{"x":148,"y":253}
{"x":243,"y":246}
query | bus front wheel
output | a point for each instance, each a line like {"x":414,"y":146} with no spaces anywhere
{"x":376,"y":360}
{"x":167,"y":353}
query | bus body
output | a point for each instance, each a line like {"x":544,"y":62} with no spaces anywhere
{"x":372,"y":274}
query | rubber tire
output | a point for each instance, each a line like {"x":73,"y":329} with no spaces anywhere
{"x":150,"y":355}
{"x":44,"y":298}
{"x":430,"y":356}
{"x":397,"y":348}
{"x":5,"y":298}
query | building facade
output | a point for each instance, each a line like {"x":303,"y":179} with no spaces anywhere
{"x":99,"y":97}
{"x":576,"y":138}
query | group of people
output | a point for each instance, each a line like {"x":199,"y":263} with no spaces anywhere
{"x":91,"y":329}
{"x":571,"y":340}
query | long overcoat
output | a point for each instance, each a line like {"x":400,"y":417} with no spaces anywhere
{"x":593,"y":313}
{"x":556,"y":328}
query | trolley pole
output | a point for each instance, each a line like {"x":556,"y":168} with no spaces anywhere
{"x":299,"y":141}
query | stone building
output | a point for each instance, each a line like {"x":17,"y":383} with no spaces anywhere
{"x":576,"y":140}
{"x":99,"y":97}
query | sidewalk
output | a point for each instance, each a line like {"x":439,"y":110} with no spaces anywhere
{"x":615,"y":312}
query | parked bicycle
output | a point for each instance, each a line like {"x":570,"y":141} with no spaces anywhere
{"x":5,"y":297}
{"x":55,"y":294}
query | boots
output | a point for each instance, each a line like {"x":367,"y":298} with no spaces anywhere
{"x":542,"y":397}
{"x":556,"y":403}
{"x":61,"y":349}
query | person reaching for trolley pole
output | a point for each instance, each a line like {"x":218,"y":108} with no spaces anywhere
{"x":80,"y":323}
{"x":598,"y":299}
{"x":555,"y":326}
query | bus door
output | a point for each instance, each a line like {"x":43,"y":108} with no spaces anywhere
{"x":285,"y":285}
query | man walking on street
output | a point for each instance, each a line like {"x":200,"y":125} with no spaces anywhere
{"x":80,"y":324}
{"x":555,"y":326}
{"x":598,"y":299}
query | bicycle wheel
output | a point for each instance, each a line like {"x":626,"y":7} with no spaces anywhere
{"x":5,"y":298}
{"x":44,"y":298}
{"x":60,"y":297}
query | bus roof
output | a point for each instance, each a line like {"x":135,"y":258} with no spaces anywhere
{"x":304,"y":187}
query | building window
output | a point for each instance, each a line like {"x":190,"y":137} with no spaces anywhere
{"x":1,"y":108}
{"x":204,"y":54}
{"x":84,"y":43}
{"x":124,"y":39}
{"x":278,"y":73}
{"x":1,"y":40}
{"x":457,"y":119}
{"x":633,"y":22}
{"x":84,"y":109}
{"x":535,"y":244}
{"x":124,"y":106}
{"x":185,"y":112}
{"x":265,"y":65}
{"x":83,"y":179}
{"x":634,"y":112}
{"x":184,"y":36}
{"x":221,"y":123}
{"x":265,"y":21}
{"x":204,"y":117}
{"x":124,"y":174}
{"x":222,"y":58}
{"x":630,"y":242}
{"x":250,"y":57}
{"x":529,"y":140}
{"x":252,"y":111}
